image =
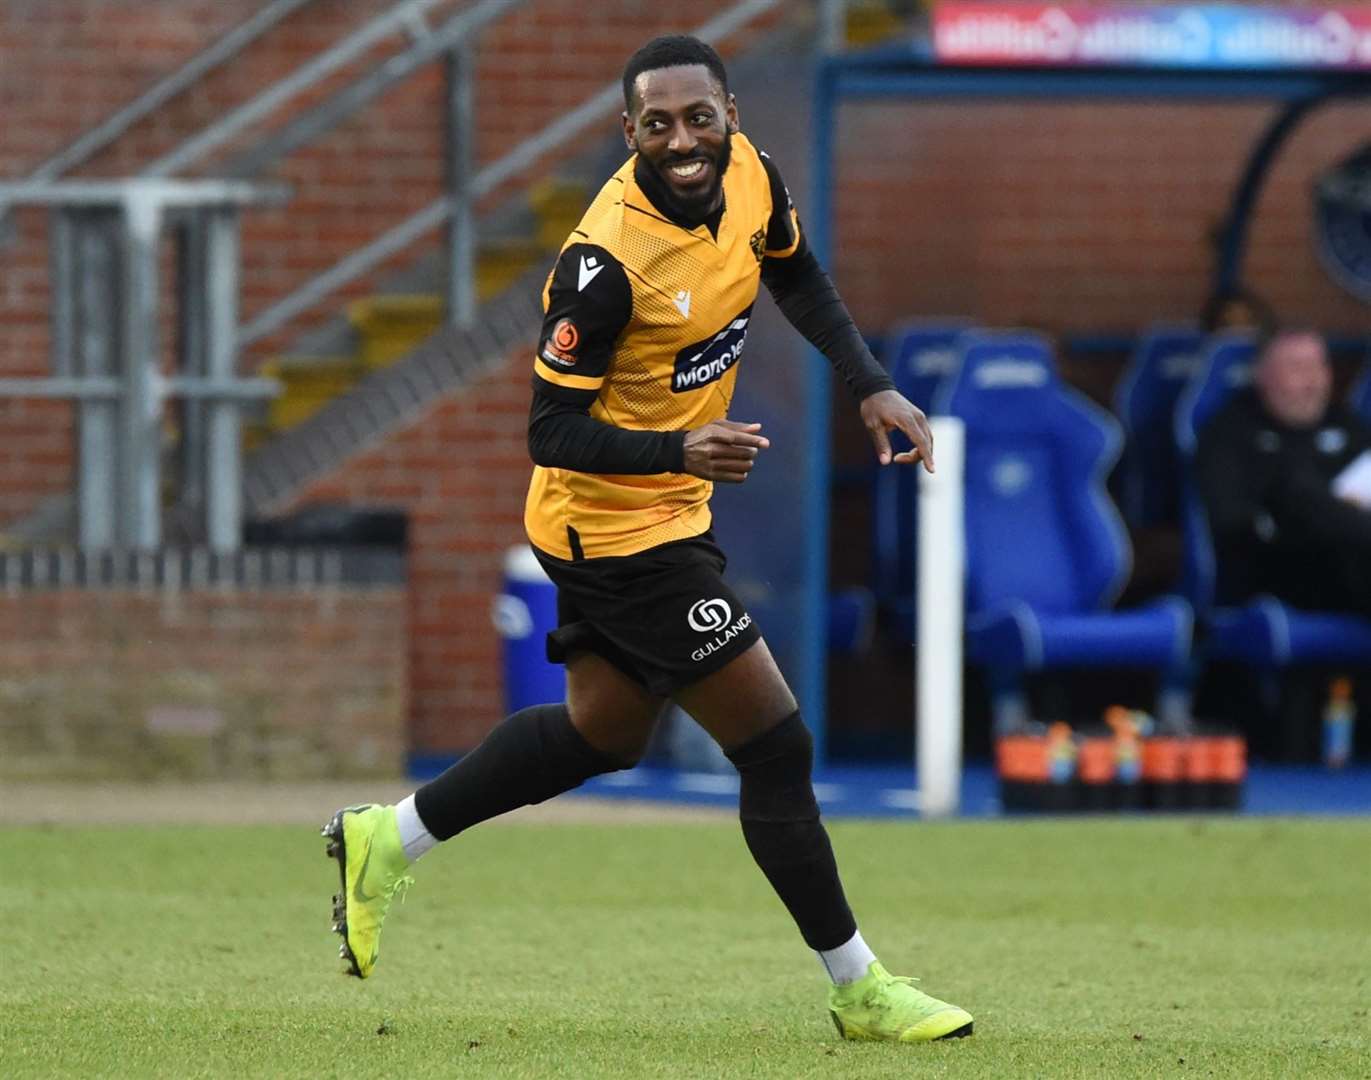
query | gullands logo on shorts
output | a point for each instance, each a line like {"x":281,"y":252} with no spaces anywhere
{"x":707,"y":615}
{"x":711,"y":616}
{"x":706,"y":361}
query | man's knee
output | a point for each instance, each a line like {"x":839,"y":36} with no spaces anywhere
{"x":775,"y":770}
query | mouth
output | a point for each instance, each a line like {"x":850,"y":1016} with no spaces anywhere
{"x":688,"y":175}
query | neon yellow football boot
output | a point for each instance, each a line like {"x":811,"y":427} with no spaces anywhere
{"x":371,"y":864}
{"x":887,"y":1008}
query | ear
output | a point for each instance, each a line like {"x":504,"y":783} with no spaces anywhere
{"x":629,"y":131}
{"x":731,"y":115}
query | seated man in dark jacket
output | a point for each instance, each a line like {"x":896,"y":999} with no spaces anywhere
{"x":1266,"y":468}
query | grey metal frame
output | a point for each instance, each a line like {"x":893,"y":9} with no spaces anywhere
{"x":104,"y":254}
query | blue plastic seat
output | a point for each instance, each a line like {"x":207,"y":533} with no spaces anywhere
{"x":1264,"y":632}
{"x":1047,"y":554}
{"x":920,"y":354}
{"x":1148,"y":475}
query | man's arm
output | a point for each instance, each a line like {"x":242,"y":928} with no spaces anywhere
{"x":812,"y":305}
{"x":589,"y":304}
{"x":808,"y":299}
{"x":563,"y":435}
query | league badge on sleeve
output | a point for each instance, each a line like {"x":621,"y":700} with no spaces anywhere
{"x":560,"y":347}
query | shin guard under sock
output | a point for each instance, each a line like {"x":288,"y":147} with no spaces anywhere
{"x":780,"y":819}
{"x":529,"y":757}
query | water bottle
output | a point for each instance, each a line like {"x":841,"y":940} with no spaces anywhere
{"x":1338,"y":717}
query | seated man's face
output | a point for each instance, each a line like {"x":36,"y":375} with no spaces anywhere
{"x":1294,"y":379}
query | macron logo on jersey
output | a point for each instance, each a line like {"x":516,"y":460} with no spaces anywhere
{"x":682,"y":302}
{"x":590,"y":267}
{"x":707,"y":361}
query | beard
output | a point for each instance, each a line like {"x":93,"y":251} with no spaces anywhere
{"x":694,"y":208}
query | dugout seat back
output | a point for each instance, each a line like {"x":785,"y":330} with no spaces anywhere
{"x":1226,"y":368}
{"x":1040,"y":527}
{"x":920,"y":355}
{"x":1148,"y":477}
{"x":1046,"y":550}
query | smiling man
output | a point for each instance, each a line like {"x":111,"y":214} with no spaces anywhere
{"x":647,"y":311}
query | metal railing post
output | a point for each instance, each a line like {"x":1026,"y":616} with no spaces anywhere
{"x":832,"y":26}
{"x":193,"y":276}
{"x":223,"y":446}
{"x":62,"y":257}
{"x":140,"y":404}
{"x":459,"y":65}
{"x":98,"y":446}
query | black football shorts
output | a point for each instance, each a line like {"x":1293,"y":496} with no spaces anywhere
{"x":664,"y":616}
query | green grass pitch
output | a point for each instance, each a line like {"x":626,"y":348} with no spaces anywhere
{"x":1227,"y":948}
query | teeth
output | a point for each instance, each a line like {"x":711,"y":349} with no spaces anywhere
{"x":685,"y":172}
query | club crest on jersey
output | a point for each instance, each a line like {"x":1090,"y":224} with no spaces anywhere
{"x":707,"y":361}
{"x":757,"y":242}
{"x":560,"y":347}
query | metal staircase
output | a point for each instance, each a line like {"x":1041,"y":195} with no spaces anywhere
{"x":371,"y":399}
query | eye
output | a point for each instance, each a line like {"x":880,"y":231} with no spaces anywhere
{"x":655,"y":126}
{"x":702,"y":118}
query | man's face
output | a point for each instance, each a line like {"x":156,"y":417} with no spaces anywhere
{"x":680,"y":125}
{"x":1294,"y":379}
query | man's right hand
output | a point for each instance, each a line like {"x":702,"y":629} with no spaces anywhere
{"x":723,"y":451}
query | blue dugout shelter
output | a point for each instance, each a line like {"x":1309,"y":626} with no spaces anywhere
{"x":911,"y":73}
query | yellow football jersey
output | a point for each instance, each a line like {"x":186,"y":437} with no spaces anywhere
{"x":650,"y":317}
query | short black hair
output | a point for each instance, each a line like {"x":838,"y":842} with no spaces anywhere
{"x":672,"y":50}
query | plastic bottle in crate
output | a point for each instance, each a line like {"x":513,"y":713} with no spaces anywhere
{"x":1060,"y":791}
{"x":1339,"y":716}
{"x":1129,"y":726}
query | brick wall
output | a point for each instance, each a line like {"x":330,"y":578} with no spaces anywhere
{"x":222,"y":682}
{"x":1074,"y":216}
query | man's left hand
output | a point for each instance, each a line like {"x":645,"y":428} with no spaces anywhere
{"x":887,"y":410}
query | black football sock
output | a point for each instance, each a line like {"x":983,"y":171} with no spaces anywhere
{"x":530,"y":756}
{"x":781,"y":825}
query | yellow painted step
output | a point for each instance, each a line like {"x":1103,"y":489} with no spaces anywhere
{"x":307,"y":384}
{"x":388,"y":327}
{"x":559,"y":205}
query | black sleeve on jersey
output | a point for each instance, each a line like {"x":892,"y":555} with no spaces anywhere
{"x":590,"y":288}
{"x":562,"y":435}
{"x":780,"y":230}
{"x":809,"y":301}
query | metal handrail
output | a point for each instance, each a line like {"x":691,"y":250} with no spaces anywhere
{"x":407,"y":16}
{"x":332,"y":111}
{"x":440,"y":211}
{"x":201,"y":64}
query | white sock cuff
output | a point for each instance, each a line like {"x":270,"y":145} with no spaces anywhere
{"x":849,"y":961}
{"x":414,"y":833}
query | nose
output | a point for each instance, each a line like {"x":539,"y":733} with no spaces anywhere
{"x":683,"y":140}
